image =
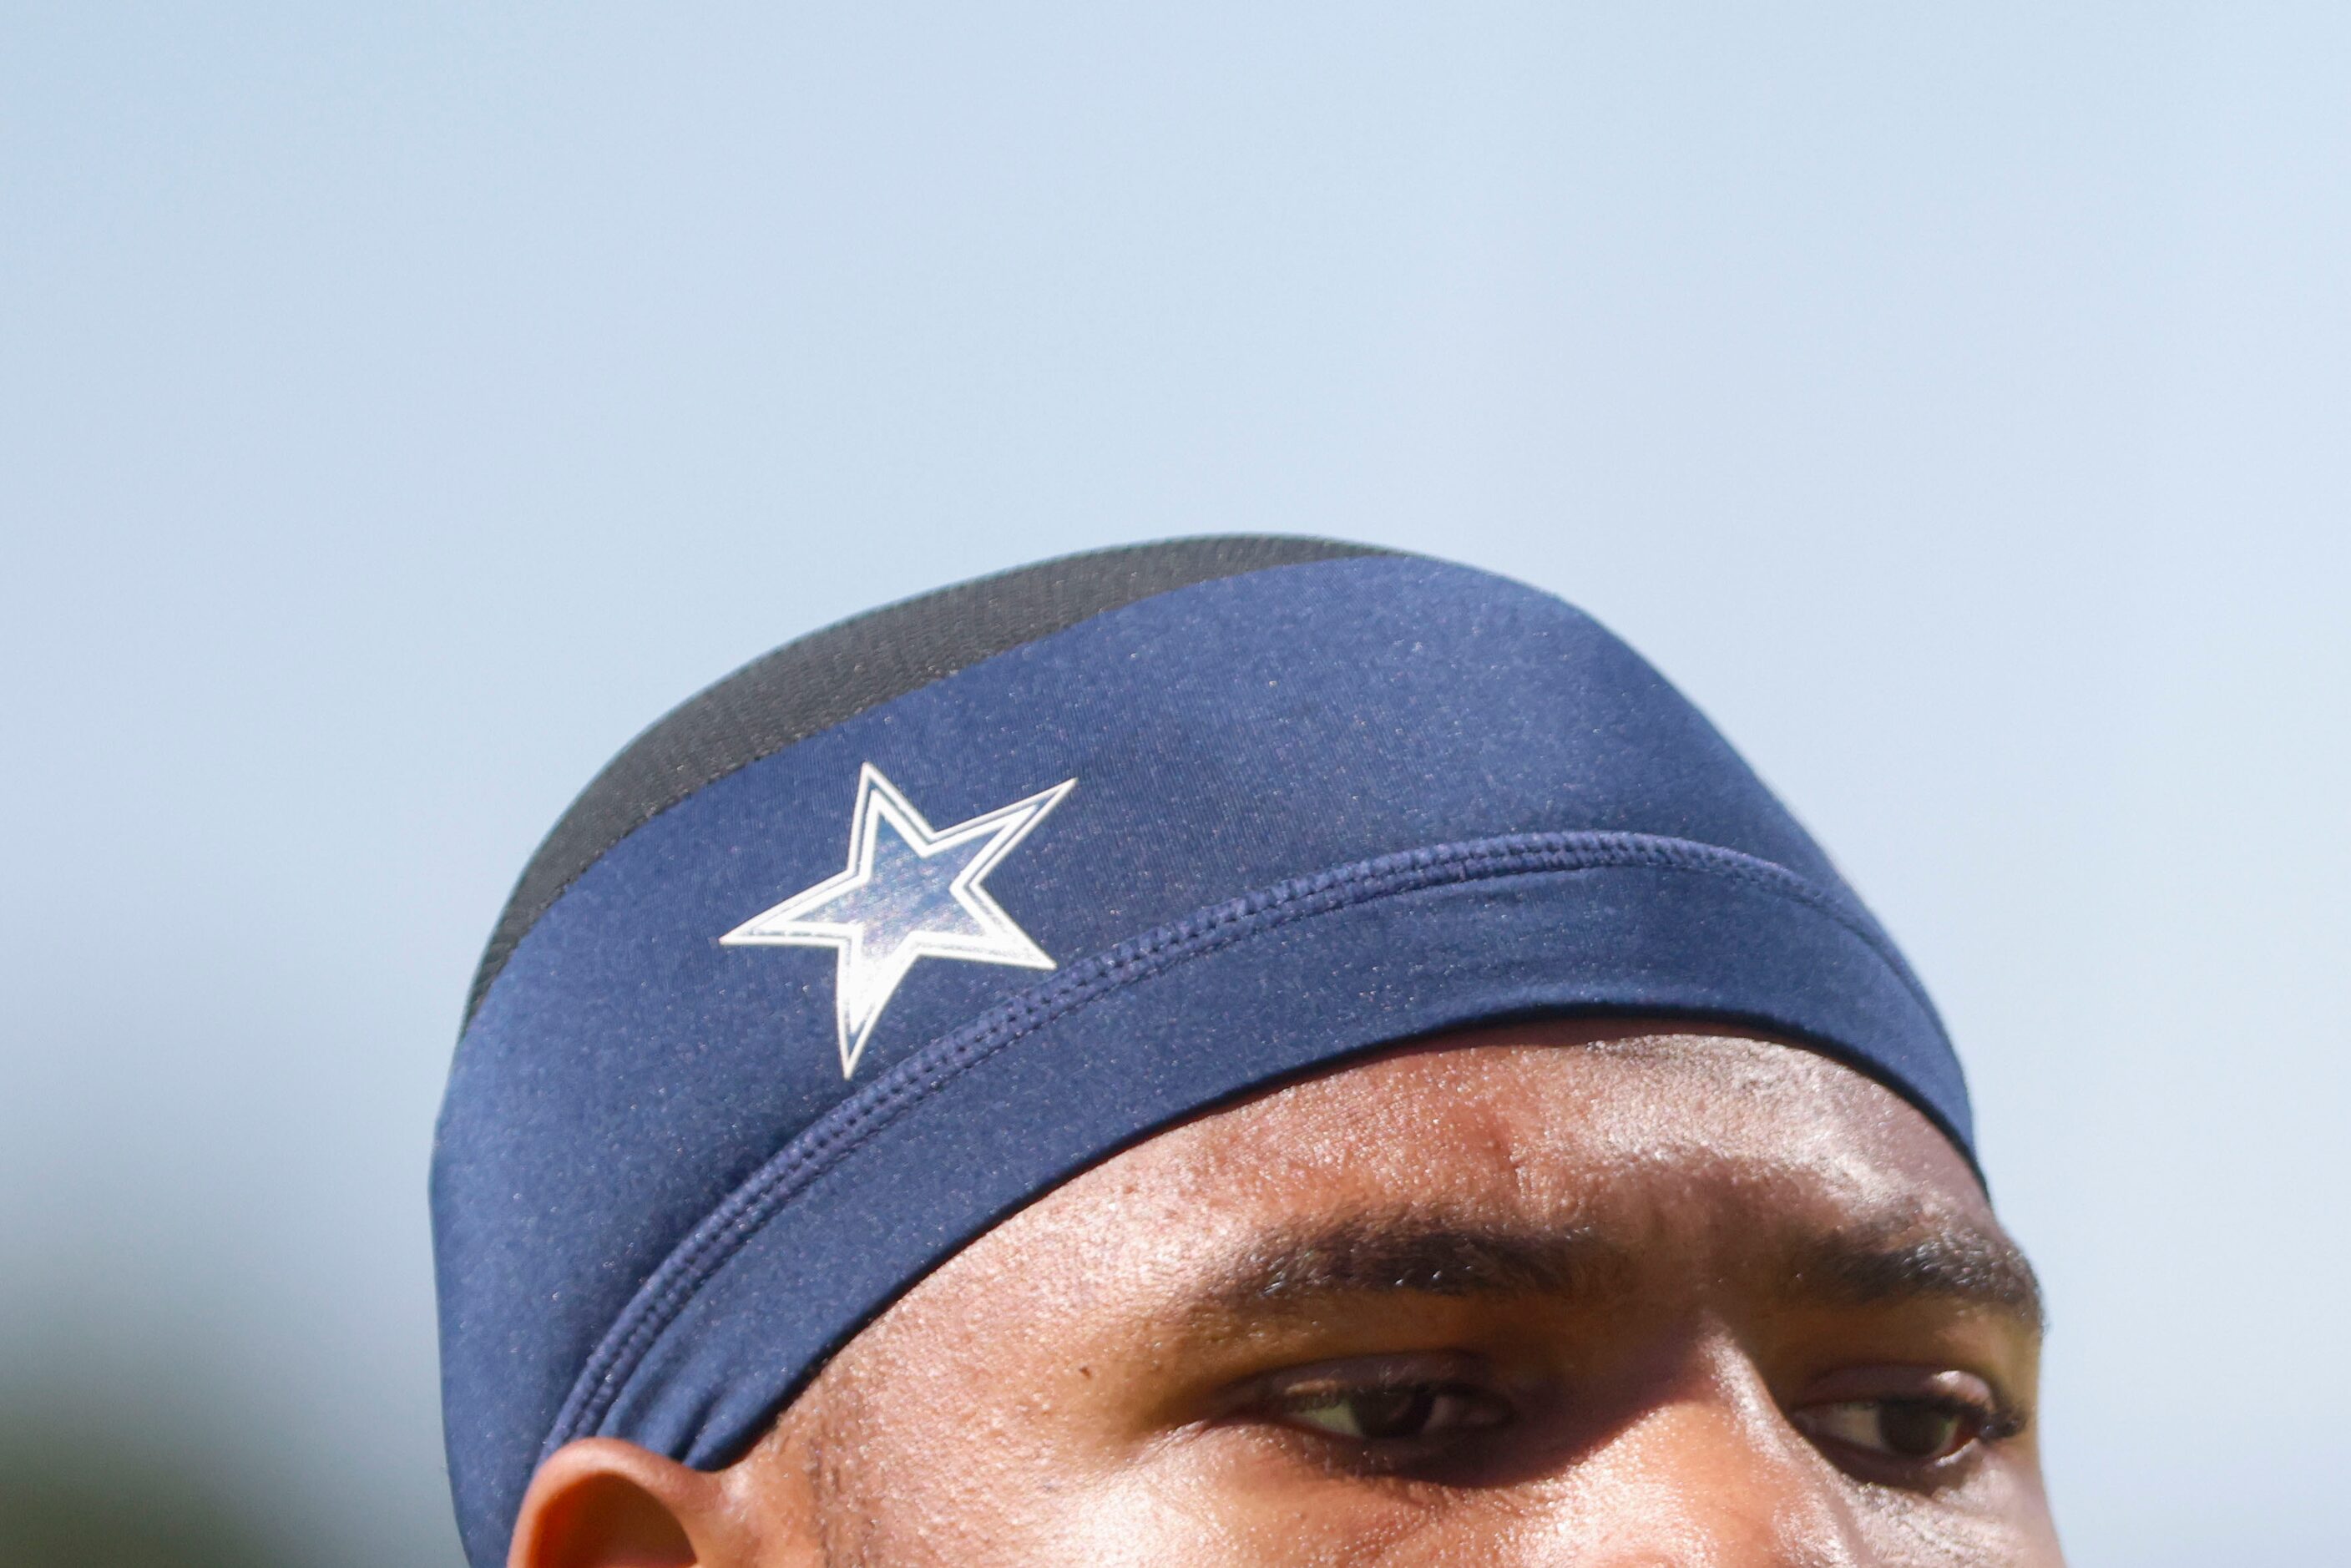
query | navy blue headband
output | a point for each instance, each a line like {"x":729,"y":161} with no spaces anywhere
{"x":895,"y":929}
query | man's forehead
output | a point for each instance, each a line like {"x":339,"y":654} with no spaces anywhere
{"x":1542,"y":1151}
{"x":1561,"y":1112}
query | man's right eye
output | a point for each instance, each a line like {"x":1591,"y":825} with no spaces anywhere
{"x":1391,"y":1413}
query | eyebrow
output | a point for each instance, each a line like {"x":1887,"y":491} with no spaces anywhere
{"x":1407,"y":1252}
{"x":1946,"y":1260}
{"x":1909,"y":1259}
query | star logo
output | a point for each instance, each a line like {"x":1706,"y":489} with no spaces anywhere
{"x":911,"y":892}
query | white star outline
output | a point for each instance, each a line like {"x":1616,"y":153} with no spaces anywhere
{"x":865,"y":980}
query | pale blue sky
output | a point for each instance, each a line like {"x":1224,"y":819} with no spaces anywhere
{"x":401,"y":406}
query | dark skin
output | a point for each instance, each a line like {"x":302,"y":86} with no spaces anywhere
{"x":1599,"y":1294}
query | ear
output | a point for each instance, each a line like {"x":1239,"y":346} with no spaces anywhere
{"x":602,"y":1503}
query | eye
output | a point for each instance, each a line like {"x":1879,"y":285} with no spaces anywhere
{"x":1401,"y":1413}
{"x":1904,"y":1424}
{"x":1917,"y":1431}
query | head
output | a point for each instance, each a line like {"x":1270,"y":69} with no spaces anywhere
{"x":1570,"y":1192}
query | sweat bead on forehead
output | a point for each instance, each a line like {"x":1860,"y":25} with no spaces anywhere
{"x":886,"y":935}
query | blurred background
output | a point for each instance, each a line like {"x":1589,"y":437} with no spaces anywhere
{"x":402,"y":404}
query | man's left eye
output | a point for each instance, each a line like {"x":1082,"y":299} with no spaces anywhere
{"x":1397,"y":1415}
{"x":1916,"y":1431}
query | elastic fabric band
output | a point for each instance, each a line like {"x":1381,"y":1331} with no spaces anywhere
{"x":856,"y":1121}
